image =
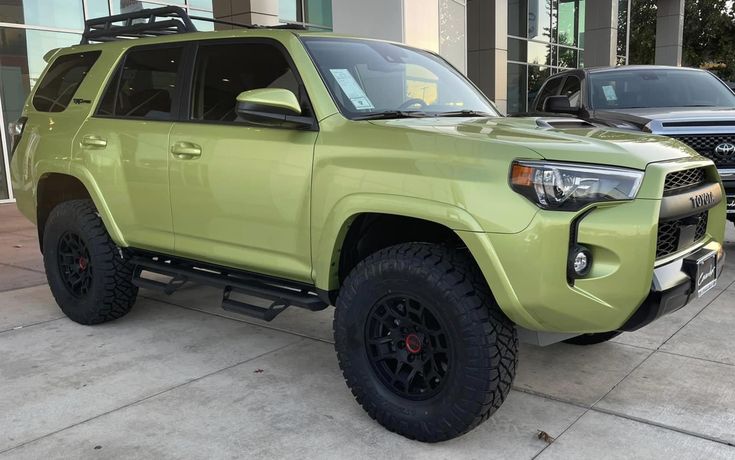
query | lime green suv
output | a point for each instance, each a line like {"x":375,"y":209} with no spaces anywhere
{"x":300,"y":169}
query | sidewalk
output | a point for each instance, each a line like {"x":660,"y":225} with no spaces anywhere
{"x":180,"y":378}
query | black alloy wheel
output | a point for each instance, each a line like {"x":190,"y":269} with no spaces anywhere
{"x":74,"y":264}
{"x":408,"y":347}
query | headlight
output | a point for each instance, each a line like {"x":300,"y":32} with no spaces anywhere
{"x":569,"y":186}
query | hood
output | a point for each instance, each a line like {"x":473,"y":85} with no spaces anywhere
{"x":641,"y":117}
{"x":574,"y":144}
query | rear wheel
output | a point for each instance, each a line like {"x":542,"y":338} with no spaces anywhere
{"x":88,"y":277}
{"x":593,"y":339}
{"x":421,"y":342}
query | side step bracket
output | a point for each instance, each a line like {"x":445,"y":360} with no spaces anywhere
{"x":279,"y":294}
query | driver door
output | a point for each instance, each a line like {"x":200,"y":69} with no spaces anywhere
{"x":240,"y":194}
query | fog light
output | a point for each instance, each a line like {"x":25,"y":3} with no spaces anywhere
{"x":580,"y":262}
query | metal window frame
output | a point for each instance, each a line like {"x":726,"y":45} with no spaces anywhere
{"x":6,"y":157}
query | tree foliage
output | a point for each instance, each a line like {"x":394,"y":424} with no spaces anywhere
{"x":709,"y":34}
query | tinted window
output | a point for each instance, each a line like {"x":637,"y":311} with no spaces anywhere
{"x":58,"y":86}
{"x":226,"y":70}
{"x":145,"y":87}
{"x":572,"y":90}
{"x":551,"y":88}
{"x":627,"y":89}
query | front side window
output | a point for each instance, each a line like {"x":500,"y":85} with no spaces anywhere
{"x":377,"y":79}
{"x":551,"y":88}
{"x":572,"y":89}
{"x":630,"y":89}
{"x":62,"y":80}
{"x":223,"y":71}
{"x":145,"y":87}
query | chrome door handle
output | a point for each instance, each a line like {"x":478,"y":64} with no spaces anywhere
{"x":186,"y":150}
{"x":94,"y":141}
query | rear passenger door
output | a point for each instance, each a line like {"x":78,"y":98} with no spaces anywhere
{"x":240,"y":193}
{"x":124,"y":145}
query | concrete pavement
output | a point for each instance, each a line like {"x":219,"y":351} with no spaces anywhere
{"x":180,"y":378}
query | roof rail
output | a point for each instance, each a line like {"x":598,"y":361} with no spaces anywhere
{"x":287,"y":25}
{"x":155,"y":22}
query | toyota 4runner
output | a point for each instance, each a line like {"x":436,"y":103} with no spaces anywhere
{"x":300,"y":169}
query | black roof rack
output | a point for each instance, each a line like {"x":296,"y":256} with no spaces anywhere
{"x":154,"y":22}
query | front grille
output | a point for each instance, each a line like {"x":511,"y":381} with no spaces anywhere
{"x":669,"y":233}
{"x":683,"y":179}
{"x":705,"y":145}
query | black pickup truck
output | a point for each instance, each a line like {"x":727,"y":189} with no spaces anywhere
{"x":691,"y":105}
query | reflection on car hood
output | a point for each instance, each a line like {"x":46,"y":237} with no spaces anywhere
{"x":641,"y":117}
{"x":587,"y":145}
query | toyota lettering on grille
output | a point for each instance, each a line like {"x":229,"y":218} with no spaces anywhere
{"x":703,"y":199}
{"x":725,"y":149}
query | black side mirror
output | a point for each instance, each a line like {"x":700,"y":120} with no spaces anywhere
{"x":559,"y":104}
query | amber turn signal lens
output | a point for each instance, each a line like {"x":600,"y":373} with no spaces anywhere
{"x":521,"y":175}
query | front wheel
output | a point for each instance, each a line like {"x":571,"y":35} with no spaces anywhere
{"x":89,"y":279}
{"x":422,"y":344}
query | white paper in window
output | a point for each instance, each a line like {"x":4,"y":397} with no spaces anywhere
{"x":352,"y":89}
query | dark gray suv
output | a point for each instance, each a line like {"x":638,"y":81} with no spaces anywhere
{"x":691,"y":105}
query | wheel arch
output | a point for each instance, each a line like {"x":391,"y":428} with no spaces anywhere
{"x":54,"y":188}
{"x":362,"y":224}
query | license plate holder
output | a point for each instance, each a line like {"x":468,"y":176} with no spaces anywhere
{"x":702,"y":268}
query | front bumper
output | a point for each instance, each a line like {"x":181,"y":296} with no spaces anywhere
{"x":673,"y":288}
{"x":527,"y":271}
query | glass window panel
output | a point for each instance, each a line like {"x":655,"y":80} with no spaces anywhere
{"x":539,"y":20}
{"x":147,"y":88}
{"x":203,"y":26}
{"x":572,"y":90}
{"x":21,"y":63}
{"x":62,"y":80}
{"x":517,"y":17}
{"x":319,"y":12}
{"x":539,"y":53}
{"x":516,"y":88}
{"x":201,"y":4}
{"x":4,"y":190}
{"x":129,"y":6}
{"x":288,"y":10}
{"x":580,"y":26}
{"x":64,"y":14}
{"x":98,"y":8}
{"x":220,"y":79}
{"x":517,"y":50}
{"x":551,"y":88}
{"x":567,"y":57}
{"x":536,"y":76}
{"x":567,"y":22}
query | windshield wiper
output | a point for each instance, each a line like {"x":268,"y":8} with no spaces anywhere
{"x":463,"y":113}
{"x":388,"y":114}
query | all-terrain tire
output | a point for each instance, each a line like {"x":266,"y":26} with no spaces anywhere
{"x":88,"y":277}
{"x":593,"y":339}
{"x":482,"y":342}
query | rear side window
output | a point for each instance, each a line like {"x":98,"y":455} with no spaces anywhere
{"x":145,"y":86}
{"x":56,"y":89}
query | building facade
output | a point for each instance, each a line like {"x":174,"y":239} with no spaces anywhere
{"x":507,"y":47}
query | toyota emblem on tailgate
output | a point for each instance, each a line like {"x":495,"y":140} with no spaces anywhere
{"x":725,"y":149}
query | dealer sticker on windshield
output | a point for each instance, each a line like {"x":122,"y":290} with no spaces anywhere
{"x":352,"y":89}
{"x":609,"y":93}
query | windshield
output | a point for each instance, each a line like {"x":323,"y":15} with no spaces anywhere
{"x":632,"y":89}
{"x":372,"y":79}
